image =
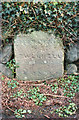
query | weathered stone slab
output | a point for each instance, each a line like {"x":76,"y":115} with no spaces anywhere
{"x":40,"y":56}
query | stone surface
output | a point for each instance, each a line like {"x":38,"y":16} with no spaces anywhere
{"x":0,"y":44}
{"x":0,"y":28}
{"x":78,"y":49}
{"x":40,"y":56}
{"x":71,"y":68}
{"x":6,"y":71}
{"x":73,"y":53}
{"x":6,"y":54}
{"x":0,"y":98}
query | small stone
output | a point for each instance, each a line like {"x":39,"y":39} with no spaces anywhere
{"x":71,"y":68}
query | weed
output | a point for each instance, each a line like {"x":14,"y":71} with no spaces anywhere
{"x":20,"y":113}
{"x":70,"y":85}
{"x":37,"y":97}
{"x":19,"y":94}
{"x":12,"y":65}
{"x":12,"y":84}
{"x":66,"y":110}
{"x":54,"y":88}
{"x":2,"y":78}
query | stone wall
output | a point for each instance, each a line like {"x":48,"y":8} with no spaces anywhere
{"x":40,"y":56}
{"x":0,"y":25}
{"x":40,"y":59}
{"x":5,"y":54}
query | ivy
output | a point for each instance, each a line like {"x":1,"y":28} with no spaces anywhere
{"x":60,"y":17}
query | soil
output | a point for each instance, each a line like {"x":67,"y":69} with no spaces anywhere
{"x":53,"y":101}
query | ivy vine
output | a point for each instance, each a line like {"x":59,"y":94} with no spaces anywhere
{"x":60,"y":17}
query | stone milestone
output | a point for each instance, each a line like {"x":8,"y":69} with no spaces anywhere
{"x":40,"y":56}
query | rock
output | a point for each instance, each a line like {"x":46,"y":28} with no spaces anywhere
{"x":6,"y":71}
{"x":78,"y":50}
{"x":71,"y":54}
{"x":0,"y":44}
{"x":71,"y":69}
{"x":6,"y":54}
{"x":0,"y":34}
{"x":40,"y":56}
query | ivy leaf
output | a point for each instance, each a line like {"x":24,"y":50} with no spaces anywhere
{"x":24,"y":111}
{"x":8,"y":5}
{"x":14,"y":26}
{"x":40,"y":104}
{"x":55,"y":3}
{"x":29,"y":111}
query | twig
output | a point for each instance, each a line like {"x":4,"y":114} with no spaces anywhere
{"x":68,"y":31}
{"x":38,"y":20}
{"x":34,"y":12}
{"x":4,"y":20}
{"x":38,"y":84}
{"x":55,"y":95}
{"x":69,"y":26}
{"x":10,"y":108}
{"x":46,"y":25}
{"x":47,"y":116}
{"x":74,"y":15}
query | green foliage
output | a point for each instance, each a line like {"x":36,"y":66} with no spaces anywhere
{"x":60,"y":17}
{"x":37,"y":97}
{"x":12,"y":84}
{"x":54,"y":88}
{"x":66,"y":110}
{"x":70,"y":85}
{"x":12,"y":65}
{"x":2,"y":78}
{"x":19,"y":93}
{"x":20,"y":113}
